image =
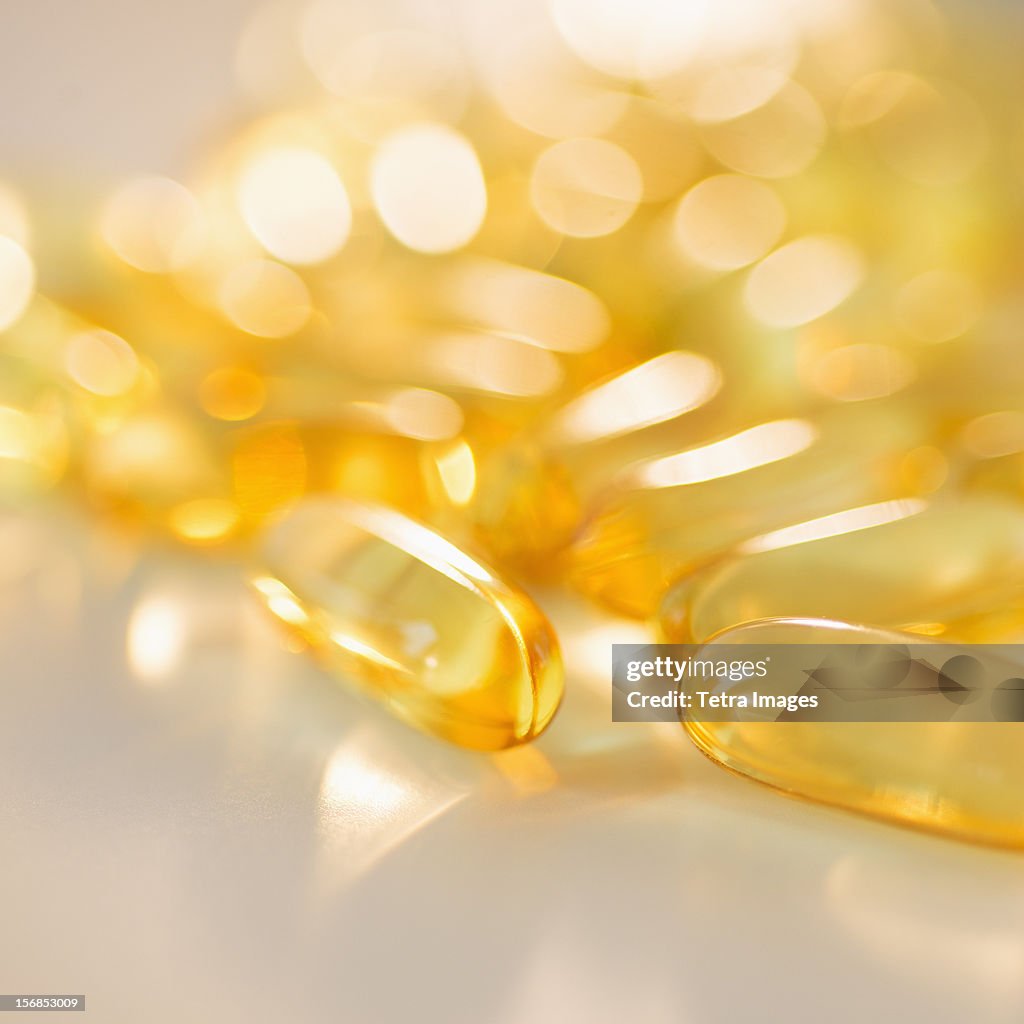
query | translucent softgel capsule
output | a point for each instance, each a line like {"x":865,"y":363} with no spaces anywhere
{"x":532,"y":493}
{"x":386,"y":602}
{"x":274,"y":463}
{"x":954,"y":570}
{"x":159,"y":467}
{"x":676,"y":513}
{"x":33,"y":431}
{"x":962,"y":778}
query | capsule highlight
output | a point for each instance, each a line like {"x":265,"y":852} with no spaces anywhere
{"x":394,"y":607}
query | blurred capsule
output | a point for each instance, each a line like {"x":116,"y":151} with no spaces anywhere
{"x":204,"y":520}
{"x":648,"y":39}
{"x":513,"y":230}
{"x":541,"y":309}
{"x":153,"y":224}
{"x":153,"y":466}
{"x":655,"y":391}
{"x":165,"y":469}
{"x":34,"y":443}
{"x":728,"y":221}
{"x":532,"y":493}
{"x":265,"y":298}
{"x":586,"y":187}
{"x":366,"y":458}
{"x":437,"y":636}
{"x":410,"y":448}
{"x":952,"y":568}
{"x":803,"y":280}
{"x":994,"y":435}
{"x":665,"y":148}
{"x":269,"y":469}
{"x":102,"y":363}
{"x":97,"y":374}
{"x":232,"y":393}
{"x":859,"y":372}
{"x":930,"y":132}
{"x":990,"y":451}
{"x":17,"y":281}
{"x":526,"y":510}
{"x":670,"y":515}
{"x":938,"y":305}
{"x":535,"y":80}
{"x":964,"y":779}
{"x":776,"y":140}
{"x":484,"y":364}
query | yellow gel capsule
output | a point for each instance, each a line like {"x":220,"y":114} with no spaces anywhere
{"x":532,"y":492}
{"x":954,"y":570}
{"x":159,"y":467}
{"x":673,"y":514}
{"x":961,"y":778}
{"x":273,"y":464}
{"x":993,"y":447}
{"x":526,"y":510}
{"x":437,"y":636}
{"x":33,"y":442}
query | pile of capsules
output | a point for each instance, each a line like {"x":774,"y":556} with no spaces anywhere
{"x":710,"y":312}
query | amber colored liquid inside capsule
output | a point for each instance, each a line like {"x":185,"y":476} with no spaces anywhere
{"x":391,"y":605}
{"x":534,"y":492}
{"x":674,"y":514}
{"x":964,"y":779}
{"x":954,"y":570}
{"x":272,"y":464}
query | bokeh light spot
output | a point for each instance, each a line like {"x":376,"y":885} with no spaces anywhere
{"x":586,"y":187}
{"x":265,"y":298}
{"x":728,"y":221}
{"x":17,"y":281}
{"x":803,"y":280}
{"x":295,"y":205}
{"x":429,"y":188}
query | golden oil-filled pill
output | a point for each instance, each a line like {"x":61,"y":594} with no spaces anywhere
{"x":34,"y":444}
{"x":209,"y":480}
{"x":526,"y":509}
{"x":412,"y":449}
{"x":158,"y":467}
{"x":673,"y":514}
{"x":952,"y":569}
{"x":61,"y":379}
{"x":436,"y":635}
{"x":961,"y":778}
{"x":991,"y":447}
{"x":97,"y":371}
{"x":273,"y":464}
{"x":532,"y":492}
{"x":136,"y":453}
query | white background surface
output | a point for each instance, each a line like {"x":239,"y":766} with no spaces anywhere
{"x":204,"y":828}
